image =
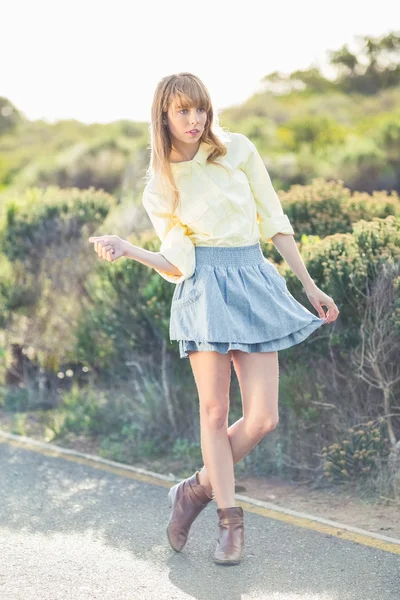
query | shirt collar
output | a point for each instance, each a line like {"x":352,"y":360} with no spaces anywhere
{"x":200,"y":158}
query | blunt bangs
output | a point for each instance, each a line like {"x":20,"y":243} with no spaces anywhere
{"x":186,"y":93}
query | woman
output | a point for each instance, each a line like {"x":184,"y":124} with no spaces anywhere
{"x":210,"y":199}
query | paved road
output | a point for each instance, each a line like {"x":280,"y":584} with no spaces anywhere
{"x":77,"y":532}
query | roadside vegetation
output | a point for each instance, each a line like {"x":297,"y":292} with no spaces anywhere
{"x":84,"y":347}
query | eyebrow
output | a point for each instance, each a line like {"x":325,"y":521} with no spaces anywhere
{"x":179,"y":106}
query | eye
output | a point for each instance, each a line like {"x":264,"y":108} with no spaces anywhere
{"x":183,"y":110}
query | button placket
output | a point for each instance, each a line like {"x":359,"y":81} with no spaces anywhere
{"x":193,"y":208}
{"x":217,"y":195}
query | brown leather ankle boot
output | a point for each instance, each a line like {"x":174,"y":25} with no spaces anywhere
{"x":187,"y":499}
{"x":231,"y":536}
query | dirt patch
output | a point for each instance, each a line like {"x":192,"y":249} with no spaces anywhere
{"x":335,"y":505}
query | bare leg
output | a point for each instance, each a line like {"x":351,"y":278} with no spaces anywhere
{"x":212,"y":373}
{"x":258,"y":376}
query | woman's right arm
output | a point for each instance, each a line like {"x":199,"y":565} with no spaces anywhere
{"x":150,"y":259}
{"x":176,"y":258}
{"x":177,"y":252}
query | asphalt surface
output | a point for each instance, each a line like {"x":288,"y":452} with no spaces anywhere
{"x":73,"y":531}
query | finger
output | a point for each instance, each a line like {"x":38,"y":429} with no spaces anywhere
{"x":106,"y":250}
{"x":110,"y":255}
{"x":329,"y":315}
{"x":103,"y":238}
{"x":320,"y":310}
{"x":333,"y":312}
{"x":99,"y":247}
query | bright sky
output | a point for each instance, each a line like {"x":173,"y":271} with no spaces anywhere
{"x":101,"y":61}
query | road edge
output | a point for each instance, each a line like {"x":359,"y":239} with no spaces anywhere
{"x":267,"y":509}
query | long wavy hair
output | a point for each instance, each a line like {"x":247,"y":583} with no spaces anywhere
{"x":187,"y":90}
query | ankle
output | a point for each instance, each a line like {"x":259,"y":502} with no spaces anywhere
{"x":204,"y":482}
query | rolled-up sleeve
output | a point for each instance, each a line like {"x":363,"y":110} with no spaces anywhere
{"x":272,"y":219}
{"x":176,"y":245}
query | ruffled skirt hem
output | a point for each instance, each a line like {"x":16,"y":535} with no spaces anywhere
{"x":273,"y":345}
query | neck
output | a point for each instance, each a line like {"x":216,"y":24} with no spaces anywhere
{"x":182,"y":152}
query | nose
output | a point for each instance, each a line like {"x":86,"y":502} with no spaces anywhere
{"x":194,"y":117}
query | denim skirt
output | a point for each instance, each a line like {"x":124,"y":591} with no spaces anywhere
{"x":236,"y":299}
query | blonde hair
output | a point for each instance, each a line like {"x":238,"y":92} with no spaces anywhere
{"x":187,"y":90}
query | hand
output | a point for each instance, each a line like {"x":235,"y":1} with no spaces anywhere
{"x":109,"y":247}
{"x":318,"y":298}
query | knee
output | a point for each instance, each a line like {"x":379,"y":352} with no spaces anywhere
{"x":215,"y":416}
{"x":258,"y":428}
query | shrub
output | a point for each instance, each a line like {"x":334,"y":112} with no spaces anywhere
{"x":327,"y":207}
{"x":343,"y":265}
{"x":38,"y":218}
{"x":359,"y":454}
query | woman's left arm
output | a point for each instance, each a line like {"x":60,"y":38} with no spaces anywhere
{"x":287,"y":247}
{"x":275,"y":225}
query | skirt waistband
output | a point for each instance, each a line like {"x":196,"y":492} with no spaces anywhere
{"x":229,"y":256}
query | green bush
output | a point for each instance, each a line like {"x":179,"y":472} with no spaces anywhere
{"x":85,"y":166}
{"x":128,"y":313}
{"x":129,"y":444}
{"x":17,"y":399}
{"x":344,"y":264}
{"x":70,"y":154}
{"x":84,"y":412}
{"x":327,"y":207}
{"x":359,"y":454}
{"x":187,"y":451}
{"x":36,"y":219}
{"x":314,"y":130}
{"x":10,"y":117}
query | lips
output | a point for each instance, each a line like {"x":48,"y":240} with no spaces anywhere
{"x":193,"y":131}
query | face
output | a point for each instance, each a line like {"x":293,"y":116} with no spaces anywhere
{"x":182,"y":121}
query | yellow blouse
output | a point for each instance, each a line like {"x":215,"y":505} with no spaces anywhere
{"x":216,"y":208}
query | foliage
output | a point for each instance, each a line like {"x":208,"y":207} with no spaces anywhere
{"x":84,"y":412}
{"x":373,"y":66}
{"x":187,"y":451}
{"x":33,"y":221}
{"x":9,"y":116}
{"x":127,"y":312}
{"x":341,"y":261}
{"x":71,"y":154}
{"x":44,"y":266}
{"x":324,"y":208}
{"x":359,"y":454}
